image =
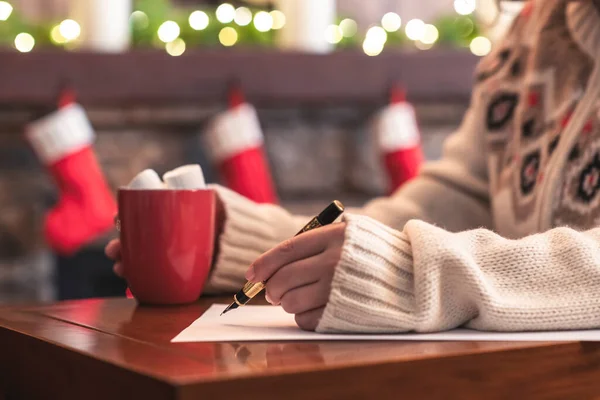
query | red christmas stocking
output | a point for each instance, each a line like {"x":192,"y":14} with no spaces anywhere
{"x":398,"y":140}
{"x":66,"y":97}
{"x":235,"y":142}
{"x":85,"y":211}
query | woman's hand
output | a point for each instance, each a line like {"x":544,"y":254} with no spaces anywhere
{"x":299,"y":272}
{"x":113,"y":251}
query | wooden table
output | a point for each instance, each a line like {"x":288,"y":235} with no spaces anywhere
{"x":113,"y":349}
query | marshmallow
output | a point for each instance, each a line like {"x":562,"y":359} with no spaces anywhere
{"x":185,"y":177}
{"x":147,"y":179}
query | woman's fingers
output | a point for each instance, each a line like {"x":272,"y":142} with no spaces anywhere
{"x":300,"y":273}
{"x":118,"y":269}
{"x":309,"y":320}
{"x":113,"y":249}
{"x":306,"y":298}
{"x":297,"y":248}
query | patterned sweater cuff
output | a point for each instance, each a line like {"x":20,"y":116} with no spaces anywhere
{"x":250,"y":230}
{"x":373,"y":288}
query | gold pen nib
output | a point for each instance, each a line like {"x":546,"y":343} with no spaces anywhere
{"x":232,"y":306}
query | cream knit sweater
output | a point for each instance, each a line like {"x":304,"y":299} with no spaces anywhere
{"x":426,"y":259}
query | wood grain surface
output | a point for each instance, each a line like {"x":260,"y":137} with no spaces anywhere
{"x":113,"y":348}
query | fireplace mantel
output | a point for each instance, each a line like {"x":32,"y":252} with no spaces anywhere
{"x":269,"y":78}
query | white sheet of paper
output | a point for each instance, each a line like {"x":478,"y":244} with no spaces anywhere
{"x":269,"y":323}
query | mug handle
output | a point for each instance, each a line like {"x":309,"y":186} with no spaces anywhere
{"x":117,"y":222}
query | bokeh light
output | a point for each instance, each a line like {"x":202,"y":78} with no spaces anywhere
{"x":333,"y":34}
{"x":430,"y":34}
{"x":176,"y":47}
{"x":372,"y":47}
{"x":278,"y":19}
{"x":415,"y":29}
{"x":139,"y":20}
{"x":168,"y":31}
{"x":69,"y":29}
{"x":199,"y":20}
{"x":56,"y":36}
{"x":377,"y":34}
{"x":243,"y":16}
{"x":464,"y":7}
{"x":5,"y":10}
{"x":225,"y":13}
{"x":24,"y":42}
{"x":348,"y":27}
{"x":228,"y":36}
{"x":481,"y":46}
{"x":391,"y":22}
{"x":263,"y":21}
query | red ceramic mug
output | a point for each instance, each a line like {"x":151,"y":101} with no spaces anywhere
{"x":167,"y":243}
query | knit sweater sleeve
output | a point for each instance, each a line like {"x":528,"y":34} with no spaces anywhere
{"x":250,"y":229}
{"x":427,"y":279}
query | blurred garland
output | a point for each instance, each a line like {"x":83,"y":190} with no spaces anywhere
{"x":144,"y":33}
{"x":454,"y":30}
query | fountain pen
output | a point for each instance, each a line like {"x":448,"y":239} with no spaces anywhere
{"x":251,"y":289}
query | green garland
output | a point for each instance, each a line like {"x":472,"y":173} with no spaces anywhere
{"x":454,"y":30}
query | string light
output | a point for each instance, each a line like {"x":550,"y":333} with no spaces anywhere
{"x":243,"y":16}
{"x":263,"y":22}
{"x":333,"y":34}
{"x":424,"y":35}
{"x":374,"y":41}
{"x":465,"y":26}
{"x":176,"y":47}
{"x":69,"y":29}
{"x":56,"y":36}
{"x":348,"y":27}
{"x":481,"y":46}
{"x":415,"y":29}
{"x":391,"y":22}
{"x":278,"y":19}
{"x":168,"y":31}
{"x":464,"y":7}
{"x":198,"y":20}
{"x":5,"y":10}
{"x":139,"y":19}
{"x":423,"y":46}
{"x":430,"y":35}
{"x":228,"y":36}
{"x":24,"y":42}
{"x":372,"y":47}
{"x":225,"y":13}
{"x":377,"y":34}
